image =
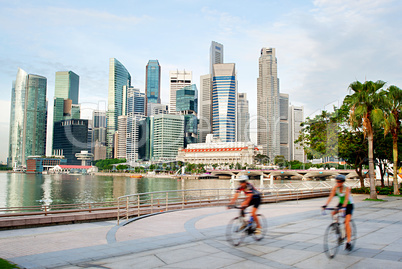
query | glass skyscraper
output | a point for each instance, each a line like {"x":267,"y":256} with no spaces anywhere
{"x":118,"y":77}
{"x":27,"y":118}
{"x":187,"y":105}
{"x":153,"y":82}
{"x":224,"y":94}
{"x":66,"y":86}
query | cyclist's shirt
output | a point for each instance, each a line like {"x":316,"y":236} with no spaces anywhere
{"x":342,"y":195}
{"x":249,"y":189}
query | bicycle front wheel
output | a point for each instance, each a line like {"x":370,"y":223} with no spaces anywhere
{"x":264,"y":228}
{"x":354,"y":234}
{"x":236,"y":231}
{"x":332,"y":240}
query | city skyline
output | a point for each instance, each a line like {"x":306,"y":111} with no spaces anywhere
{"x":321,"y":46}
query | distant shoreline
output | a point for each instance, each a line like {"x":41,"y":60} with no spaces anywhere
{"x":131,"y":174}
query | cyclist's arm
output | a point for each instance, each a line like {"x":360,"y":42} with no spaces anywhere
{"x":331,"y":195}
{"x":235,"y":196}
{"x":246,"y":201}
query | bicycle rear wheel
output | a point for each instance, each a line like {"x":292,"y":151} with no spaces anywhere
{"x":332,"y":240}
{"x":354,"y":234}
{"x":236,"y":231}
{"x":264,"y":227}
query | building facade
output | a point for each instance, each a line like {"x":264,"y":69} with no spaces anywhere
{"x":178,"y":80}
{"x":215,"y":152}
{"x":70,"y":138}
{"x":268,"y":120}
{"x":27,"y":118}
{"x":118,"y":77}
{"x":205,"y":107}
{"x":156,"y":109}
{"x":224,"y":104}
{"x":284,"y":125}
{"x":66,"y":86}
{"x":243,"y":118}
{"x":122,"y":135}
{"x":153,"y":82}
{"x":296,"y":117}
{"x":187,"y":105}
{"x":99,"y":134}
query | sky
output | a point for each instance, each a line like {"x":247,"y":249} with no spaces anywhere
{"x":321,"y":46}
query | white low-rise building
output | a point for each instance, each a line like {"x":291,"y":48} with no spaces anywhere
{"x":214,"y":151}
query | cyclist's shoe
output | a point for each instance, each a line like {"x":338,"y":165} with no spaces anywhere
{"x":257,"y":231}
{"x":348,"y":247}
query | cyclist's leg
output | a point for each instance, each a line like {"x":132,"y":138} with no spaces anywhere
{"x":256,"y":203}
{"x":348,"y":217}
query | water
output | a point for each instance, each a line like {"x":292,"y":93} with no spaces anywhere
{"x":17,"y":190}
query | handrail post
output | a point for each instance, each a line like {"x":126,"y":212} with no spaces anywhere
{"x":89,"y":205}
{"x":127,"y":208}
{"x":138,"y":205}
{"x":182,"y":201}
{"x":167,"y":200}
{"x":152,"y":203}
{"x":45,"y":210}
{"x":118,"y":211}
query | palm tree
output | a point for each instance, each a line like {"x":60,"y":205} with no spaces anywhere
{"x":392,"y":123}
{"x":364,"y":114}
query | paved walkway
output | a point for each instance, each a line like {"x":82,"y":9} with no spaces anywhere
{"x":195,"y":238}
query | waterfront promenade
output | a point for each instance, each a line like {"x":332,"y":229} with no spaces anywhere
{"x":195,"y":238}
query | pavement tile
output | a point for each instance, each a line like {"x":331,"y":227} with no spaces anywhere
{"x":375,"y":264}
{"x":289,"y":256}
{"x":322,"y":261}
{"x":389,"y":255}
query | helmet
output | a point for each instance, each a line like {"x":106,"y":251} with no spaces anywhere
{"x":243,"y":178}
{"x":340,"y":178}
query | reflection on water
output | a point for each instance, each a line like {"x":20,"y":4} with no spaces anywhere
{"x":17,"y":190}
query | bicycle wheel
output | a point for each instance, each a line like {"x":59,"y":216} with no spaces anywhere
{"x":235,"y":232}
{"x":332,"y":240}
{"x":354,"y":234}
{"x":264,"y":227}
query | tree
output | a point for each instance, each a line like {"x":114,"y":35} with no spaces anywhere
{"x":392,"y":104}
{"x":364,"y":113}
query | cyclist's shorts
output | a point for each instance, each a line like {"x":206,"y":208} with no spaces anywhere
{"x":349,"y":209}
{"x":255,"y":201}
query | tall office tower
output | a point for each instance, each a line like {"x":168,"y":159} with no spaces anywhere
{"x":268,"y":104}
{"x":99,"y":135}
{"x":178,"y":80}
{"x":296,"y":117}
{"x":135,"y":102}
{"x":243,"y":118}
{"x":224,"y":95}
{"x":122,"y":135}
{"x":215,"y":55}
{"x":284,"y":125}
{"x":155,"y":109}
{"x":167,"y":136}
{"x":187,"y":105}
{"x":66,"y":92}
{"x":118,"y":77}
{"x":71,"y":137}
{"x":133,"y":137}
{"x":205,"y":111}
{"x":153,"y":83}
{"x":27,"y":118}
{"x":66,"y":86}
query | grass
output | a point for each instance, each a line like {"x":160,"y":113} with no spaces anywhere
{"x":6,"y":264}
{"x":400,"y":195}
{"x":377,"y":200}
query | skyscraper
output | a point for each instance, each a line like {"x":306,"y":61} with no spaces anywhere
{"x":205,"y":110}
{"x":268,"y":104}
{"x":187,"y":105}
{"x":296,"y":117}
{"x":122,"y":135}
{"x":118,"y":77}
{"x":178,"y":80}
{"x":135,"y":102}
{"x":99,"y":135}
{"x":27,"y":118}
{"x":215,"y":55}
{"x":66,"y":86}
{"x":243,"y":118}
{"x":224,"y":95}
{"x":284,"y":125}
{"x":153,"y":83}
{"x":71,"y":137}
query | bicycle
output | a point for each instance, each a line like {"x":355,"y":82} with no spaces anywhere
{"x":335,"y":234}
{"x":238,"y":228}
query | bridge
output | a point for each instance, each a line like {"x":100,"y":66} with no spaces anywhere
{"x":284,"y":174}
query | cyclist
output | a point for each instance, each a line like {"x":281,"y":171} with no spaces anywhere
{"x":345,"y":203}
{"x":253,"y":198}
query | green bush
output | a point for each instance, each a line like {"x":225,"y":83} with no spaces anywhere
{"x":380,"y":190}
